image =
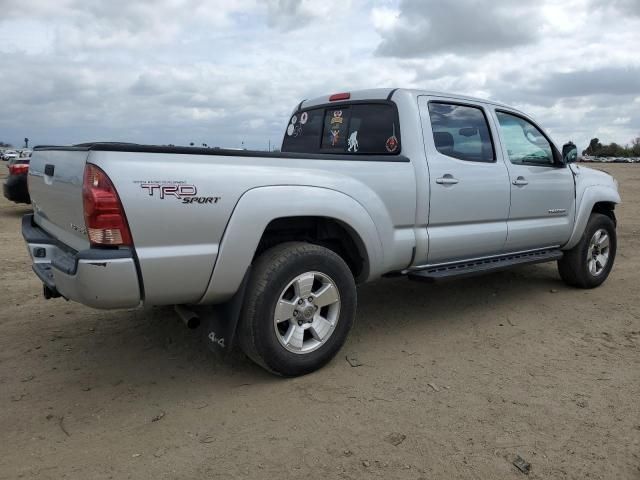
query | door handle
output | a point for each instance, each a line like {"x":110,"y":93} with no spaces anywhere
{"x":520,"y":181}
{"x":447,"y":179}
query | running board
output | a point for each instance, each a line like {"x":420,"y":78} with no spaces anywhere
{"x":486,"y":265}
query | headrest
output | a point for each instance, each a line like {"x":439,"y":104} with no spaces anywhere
{"x":443,"y":139}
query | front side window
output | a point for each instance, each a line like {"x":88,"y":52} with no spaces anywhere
{"x":366,"y":128}
{"x":461,"y":132}
{"x":526,"y":145}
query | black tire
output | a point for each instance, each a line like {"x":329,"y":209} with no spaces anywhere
{"x":573,"y":265}
{"x":272,"y":272}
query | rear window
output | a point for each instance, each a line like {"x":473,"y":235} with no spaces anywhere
{"x":367,"y":128}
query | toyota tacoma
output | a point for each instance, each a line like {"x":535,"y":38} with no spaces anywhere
{"x":268,"y":247}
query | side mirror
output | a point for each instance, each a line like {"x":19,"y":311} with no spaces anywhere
{"x":569,"y":153}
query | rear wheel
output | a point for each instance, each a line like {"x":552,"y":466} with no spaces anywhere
{"x":299,"y":308}
{"x":588,"y":264}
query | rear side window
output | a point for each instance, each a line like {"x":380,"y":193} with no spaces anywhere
{"x":368,"y":128}
{"x":461,"y":132}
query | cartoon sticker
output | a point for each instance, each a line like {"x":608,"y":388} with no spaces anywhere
{"x":337,"y":117}
{"x":297,"y":130}
{"x":294,"y":119}
{"x":290,"y":129}
{"x":335,"y":134}
{"x":304,"y":117}
{"x":352,"y":141}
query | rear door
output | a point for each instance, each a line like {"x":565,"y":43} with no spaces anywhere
{"x":542,"y":189}
{"x":468,"y":181}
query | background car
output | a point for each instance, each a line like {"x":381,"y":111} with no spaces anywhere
{"x":9,"y":154}
{"x":15,"y":186}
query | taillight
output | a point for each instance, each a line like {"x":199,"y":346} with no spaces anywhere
{"x":19,"y":169}
{"x":103,"y":213}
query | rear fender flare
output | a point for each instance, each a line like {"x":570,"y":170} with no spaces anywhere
{"x":259,"y":206}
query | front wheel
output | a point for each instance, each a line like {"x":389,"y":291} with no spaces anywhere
{"x":589,"y":263}
{"x":299,"y":307}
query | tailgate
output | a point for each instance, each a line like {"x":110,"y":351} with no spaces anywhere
{"x":55,"y":187}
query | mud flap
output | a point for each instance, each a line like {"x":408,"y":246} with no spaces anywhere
{"x":220,"y":322}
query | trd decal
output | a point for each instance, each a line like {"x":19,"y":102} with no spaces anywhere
{"x":177,"y":191}
{"x":180,"y":191}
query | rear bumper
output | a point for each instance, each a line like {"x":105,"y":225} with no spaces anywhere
{"x":94,"y":277}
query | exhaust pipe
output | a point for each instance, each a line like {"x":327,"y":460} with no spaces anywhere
{"x":189,"y":317}
{"x":49,"y":293}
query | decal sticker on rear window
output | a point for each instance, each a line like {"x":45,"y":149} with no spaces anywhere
{"x":352,"y":141}
{"x":392,"y":142}
{"x":335,"y":135}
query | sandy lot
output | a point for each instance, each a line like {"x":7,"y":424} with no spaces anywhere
{"x":456,"y":380}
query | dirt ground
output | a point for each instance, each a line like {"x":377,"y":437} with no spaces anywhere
{"x":456,"y":380}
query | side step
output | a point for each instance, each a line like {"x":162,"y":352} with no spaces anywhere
{"x":486,"y":265}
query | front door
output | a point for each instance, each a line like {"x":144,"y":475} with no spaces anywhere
{"x":542,"y":189}
{"x":468,"y":182}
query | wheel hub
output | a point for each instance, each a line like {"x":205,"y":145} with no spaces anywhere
{"x":308,"y":312}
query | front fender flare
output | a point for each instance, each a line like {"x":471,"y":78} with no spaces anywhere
{"x":591,"y":196}
{"x":259,"y":206}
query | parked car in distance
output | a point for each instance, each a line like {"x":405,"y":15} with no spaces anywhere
{"x":15,"y":186}
{"x":9,"y":154}
{"x":374,"y":183}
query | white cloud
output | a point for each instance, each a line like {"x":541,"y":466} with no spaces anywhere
{"x":224,"y":73}
{"x":384,"y":18}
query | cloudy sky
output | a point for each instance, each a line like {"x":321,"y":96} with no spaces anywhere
{"x":228,"y":72}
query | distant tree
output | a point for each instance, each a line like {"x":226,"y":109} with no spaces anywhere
{"x":7,"y":145}
{"x":596,"y":149}
{"x":593,"y":148}
{"x":191,"y":144}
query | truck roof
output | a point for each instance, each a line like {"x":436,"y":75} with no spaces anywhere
{"x":387,"y":93}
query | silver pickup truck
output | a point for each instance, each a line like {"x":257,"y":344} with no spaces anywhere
{"x":269,"y":247}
